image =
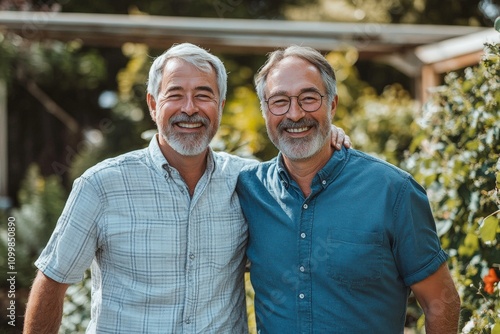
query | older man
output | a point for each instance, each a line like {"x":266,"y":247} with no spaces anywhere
{"x":337,"y":240}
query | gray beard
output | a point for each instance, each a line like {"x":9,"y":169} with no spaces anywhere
{"x":300,"y":148}
{"x":187,"y":144}
{"x":184,"y":143}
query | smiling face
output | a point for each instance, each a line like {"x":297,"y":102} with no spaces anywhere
{"x":187,"y":110}
{"x":298,"y":134}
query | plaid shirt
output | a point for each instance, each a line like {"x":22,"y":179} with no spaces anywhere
{"x":162,"y":262}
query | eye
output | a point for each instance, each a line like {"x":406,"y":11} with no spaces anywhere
{"x":174,"y":97}
{"x":309,"y":98}
{"x":279,"y":100}
{"x":204,"y":97}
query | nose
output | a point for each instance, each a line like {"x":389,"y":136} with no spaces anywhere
{"x":189,"y":106}
{"x":295,"y":112}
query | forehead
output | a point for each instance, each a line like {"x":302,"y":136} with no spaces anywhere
{"x":184,"y":75}
{"x":292,"y":75}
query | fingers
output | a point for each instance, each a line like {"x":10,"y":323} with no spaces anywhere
{"x":340,"y":138}
{"x":347,"y":142}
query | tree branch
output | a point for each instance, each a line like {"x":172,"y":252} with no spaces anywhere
{"x":51,"y":106}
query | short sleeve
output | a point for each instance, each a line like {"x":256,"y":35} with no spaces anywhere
{"x":417,"y":249}
{"x":74,"y":242}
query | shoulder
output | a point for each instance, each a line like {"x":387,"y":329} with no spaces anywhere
{"x":228,"y":163}
{"x":117,"y":165}
{"x":371,"y":164}
{"x":259,"y":170}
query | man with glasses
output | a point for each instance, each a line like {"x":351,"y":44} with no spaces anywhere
{"x":337,"y":240}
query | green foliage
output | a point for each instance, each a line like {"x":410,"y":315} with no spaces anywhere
{"x":194,"y":8}
{"x":242,"y":130}
{"x":451,"y":12}
{"x":378,"y":124}
{"x":7,"y":55}
{"x":53,"y":62}
{"x":41,"y":202}
{"x":455,"y":155}
{"x":76,"y":308}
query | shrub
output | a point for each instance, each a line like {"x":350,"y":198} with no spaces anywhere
{"x":455,"y":155}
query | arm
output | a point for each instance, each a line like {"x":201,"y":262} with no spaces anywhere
{"x":339,"y":137}
{"x":45,"y":305}
{"x":440,"y":302}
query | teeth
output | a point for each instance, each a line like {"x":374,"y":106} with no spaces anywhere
{"x":297,"y":130}
{"x":190,"y":125}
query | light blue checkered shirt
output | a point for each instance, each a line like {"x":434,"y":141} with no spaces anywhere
{"x":161,"y":262}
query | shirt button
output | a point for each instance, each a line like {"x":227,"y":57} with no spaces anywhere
{"x":302,"y":269}
{"x":305,"y":206}
{"x":191,"y":256}
{"x":323,"y":182}
{"x":303,"y":235}
{"x":188,"y":321}
{"x":301,"y":296}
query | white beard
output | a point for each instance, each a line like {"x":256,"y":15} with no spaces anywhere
{"x":300,"y":148}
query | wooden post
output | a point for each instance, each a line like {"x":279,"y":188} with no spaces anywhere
{"x":4,"y":200}
{"x":429,"y":79}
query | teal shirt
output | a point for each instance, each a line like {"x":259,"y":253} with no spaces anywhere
{"x":343,"y":259}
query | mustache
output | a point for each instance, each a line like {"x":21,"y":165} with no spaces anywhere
{"x":196,"y":118}
{"x":287,"y":124}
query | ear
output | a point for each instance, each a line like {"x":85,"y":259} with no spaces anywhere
{"x":334,"y":105}
{"x":152,"y":106}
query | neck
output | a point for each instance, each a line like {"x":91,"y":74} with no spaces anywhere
{"x":191,"y":168}
{"x":304,"y":170}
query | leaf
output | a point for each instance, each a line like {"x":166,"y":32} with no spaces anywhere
{"x":488,"y":229}
{"x":496,"y":328}
{"x":470,"y":245}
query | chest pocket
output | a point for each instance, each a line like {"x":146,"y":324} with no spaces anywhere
{"x":355,"y":258}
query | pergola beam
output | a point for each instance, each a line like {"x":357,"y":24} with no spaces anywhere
{"x":225,"y":35}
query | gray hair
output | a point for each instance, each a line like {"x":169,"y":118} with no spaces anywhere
{"x":200,"y":58}
{"x":304,"y":52}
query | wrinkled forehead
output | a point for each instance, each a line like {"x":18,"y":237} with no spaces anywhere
{"x":293,"y":75}
{"x":180,"y":73}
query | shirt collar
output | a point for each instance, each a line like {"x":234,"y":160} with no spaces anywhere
{"x":282,"y":171}
{"x":160,"y":163}
{"x":333,"y":167}
{"x":325,"y":176}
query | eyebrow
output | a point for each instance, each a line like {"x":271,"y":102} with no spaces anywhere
{"x":205,"y":88}
{"x":198,"y":88}
{"x":303,"y":90}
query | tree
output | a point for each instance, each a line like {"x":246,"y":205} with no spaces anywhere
{"x":448,"y":12}
{"x":199,"y":8}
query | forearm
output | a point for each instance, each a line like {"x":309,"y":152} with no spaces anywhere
{"x":447,"y":323}
{"x":439,"y":299}
{"x":442,"y":314}
{"x":45,"y":305}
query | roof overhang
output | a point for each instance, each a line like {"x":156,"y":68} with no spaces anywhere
{"x":227,"y":35}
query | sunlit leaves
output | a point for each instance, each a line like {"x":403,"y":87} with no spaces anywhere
{"x":489,"y":228}
{"x":455,"y":156}
{"x":470,"y":245}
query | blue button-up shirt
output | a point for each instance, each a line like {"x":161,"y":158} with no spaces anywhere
{"x":341,"y":260}
{"x":162,"y":262}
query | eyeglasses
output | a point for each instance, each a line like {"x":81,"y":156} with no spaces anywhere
{"x":308,"y":101}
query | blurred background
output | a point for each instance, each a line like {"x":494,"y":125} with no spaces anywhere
{"x":418,"y":86}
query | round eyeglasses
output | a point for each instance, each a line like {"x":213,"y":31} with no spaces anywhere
{"x":308,"y":101}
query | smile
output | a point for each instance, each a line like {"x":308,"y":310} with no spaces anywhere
{"x":298,"y":130}
{"x":190,"y":125}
